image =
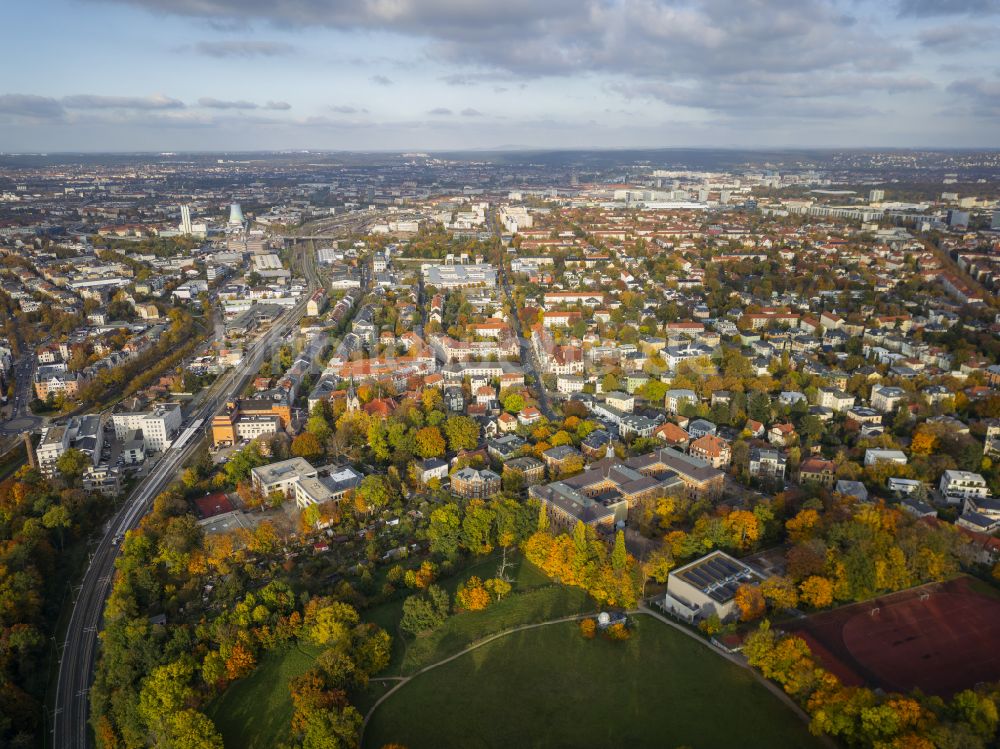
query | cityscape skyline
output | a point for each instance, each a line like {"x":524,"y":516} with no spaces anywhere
{"x":306,"y":74}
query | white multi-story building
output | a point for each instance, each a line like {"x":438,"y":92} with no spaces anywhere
{"x":82,"y":433}
{"x":886,"y":399}
{"x":158,"y":427}
{"x":958,"y":485}
{"x":836,"y":399}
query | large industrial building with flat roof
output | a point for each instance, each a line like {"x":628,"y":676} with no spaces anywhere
{"x":707,"y":586}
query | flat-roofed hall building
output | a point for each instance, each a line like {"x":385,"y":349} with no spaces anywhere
{"x":707,"y":586}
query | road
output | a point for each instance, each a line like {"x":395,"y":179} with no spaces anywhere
{"x":528,"y":359}
{"x":21,"y":419}
{"x":70,"y":722}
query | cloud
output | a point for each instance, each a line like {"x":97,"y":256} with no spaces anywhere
{"x":344,"y":109}
{"x":470,"y":112}
{"x":800,"y":96}
{"x":982,"y":95}
{"x":929,"y":8}
{"x":381,"y":80}
{"x":642,"y":38}
{"x":439,"y":111}
{"x":211,"y":103}
{"x":30,"y":107}
{"x":956,"y":37}
{"x":92,"y":101}
{"x":281,"y":106}
{"x":243,"y":48}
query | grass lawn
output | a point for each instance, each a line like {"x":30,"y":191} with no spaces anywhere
{"x":256,"y":712}
{"x":549,"y":687}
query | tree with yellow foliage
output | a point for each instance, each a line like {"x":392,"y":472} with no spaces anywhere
{"x":924,"y":442}
{"x":780,"y":592}
{"x":816,"y":591}
{"x":743,"y":527}
{"x":805,"y":525}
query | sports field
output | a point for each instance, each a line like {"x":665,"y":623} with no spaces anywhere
{"x":939,"y":638}
{"x":549,"y":687}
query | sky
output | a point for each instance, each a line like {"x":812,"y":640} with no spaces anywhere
{"x":182,"y":75}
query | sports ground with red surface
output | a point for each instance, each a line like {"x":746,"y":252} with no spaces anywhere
{"x":939,"y":638}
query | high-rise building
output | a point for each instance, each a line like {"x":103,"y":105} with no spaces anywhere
{"x":958,"y":218}
{"x":186,"y":219}
{"x":876,"y":196}
{"x":995,"y":222}
{"x":236,"y":215}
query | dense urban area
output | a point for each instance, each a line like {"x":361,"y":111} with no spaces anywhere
{"x":331,"y":450}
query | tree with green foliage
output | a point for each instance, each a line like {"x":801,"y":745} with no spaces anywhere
{"x":444,"y":530}
{"x":72,"y":463}
{"x":375,"y":492}
{"x":462,"y":433}
{"x":513,"y":402}
{"x":425,"y":612}
{"x":619,"y":556}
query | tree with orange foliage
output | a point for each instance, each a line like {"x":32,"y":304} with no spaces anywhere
{"x":472,"y":595}
{"x":240,"y":662}
{"x":803,"y":526}
{"x":422,"y":576}
{"x":817,"y":591}
{"x":588,"y":628}
{"x":750,"y":601}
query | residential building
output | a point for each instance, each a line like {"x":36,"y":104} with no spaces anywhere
{"x":835,"y":398}
{"x":818,"y":471}
{"x":712,"y":449}
{"x":956,"y":486}
{"x":767,"y":464}
{"x":876,"y":455}
{"x":887,"y":399}
{"x":159,"y":426}
{"x":531,"y":468}
{"x":475,"y":484}
{"x":281,"y":476}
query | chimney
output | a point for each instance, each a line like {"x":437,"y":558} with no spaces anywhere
{"x":29,"y":448}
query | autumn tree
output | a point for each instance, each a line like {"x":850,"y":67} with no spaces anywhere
{"x":743,"y":528}
{"x":462,"y":433}
{"x":472,"y":595}
{"x":780,"y":592}
{"x":430,"y":443}
{"x":750,"y":601}
{"x":307,"y":445}
{"x":816,"y":591}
